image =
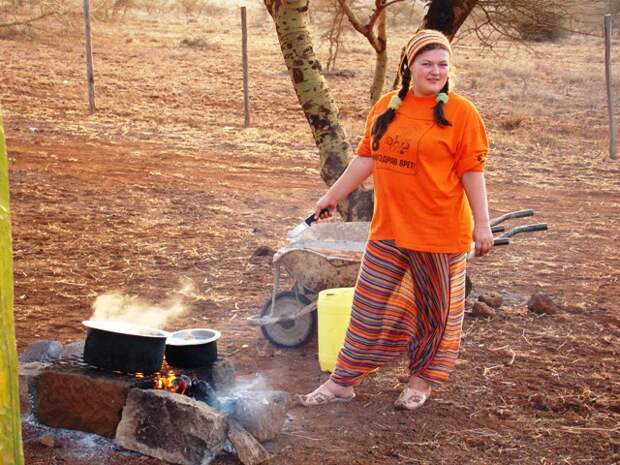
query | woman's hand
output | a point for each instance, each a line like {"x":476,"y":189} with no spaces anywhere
{"x":483,"y":238}
{"x":358,"y":170}
{"x":325,"y":207}
{"x":475,"y":188}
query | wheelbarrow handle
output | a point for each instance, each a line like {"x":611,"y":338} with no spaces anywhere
{"x":510,"y":215}
{"x":496,"y":229}
{"x":497,"y":241}
{"x":525,"y":228}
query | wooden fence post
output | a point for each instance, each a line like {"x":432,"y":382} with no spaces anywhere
{"x":90,"y":77}
{"x":244,"y":52}
{"x":610,"y":103}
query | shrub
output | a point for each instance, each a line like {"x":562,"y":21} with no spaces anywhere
{"x":541,"y":26}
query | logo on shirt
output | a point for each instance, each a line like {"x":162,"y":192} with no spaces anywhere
{"x":396,"y":154}
{"x":394,"y":162}
{"x":396,"y":144}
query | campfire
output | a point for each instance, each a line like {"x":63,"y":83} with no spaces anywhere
{"x":175,"y":403}
{"x":185,"y":384}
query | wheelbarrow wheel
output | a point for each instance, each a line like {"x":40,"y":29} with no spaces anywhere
{"x":293,"y":332}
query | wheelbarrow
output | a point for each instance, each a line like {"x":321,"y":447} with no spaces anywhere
{"x":326,"y":256}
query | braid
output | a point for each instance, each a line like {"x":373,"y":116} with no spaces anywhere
{"x":438,"y":115}
{"x":384,"y":119}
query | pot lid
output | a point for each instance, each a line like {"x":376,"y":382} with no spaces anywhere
{"x":188,"y":337}
{"x":125,"y":328}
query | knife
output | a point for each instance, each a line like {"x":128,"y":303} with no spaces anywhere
{"x":305,"y":224}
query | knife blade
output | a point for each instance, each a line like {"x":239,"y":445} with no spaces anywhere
{"x":305,"y":224}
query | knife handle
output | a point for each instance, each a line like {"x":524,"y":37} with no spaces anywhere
{"x":312,"y":218}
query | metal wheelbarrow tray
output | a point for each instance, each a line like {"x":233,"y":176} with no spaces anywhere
{"x":326,"y":256}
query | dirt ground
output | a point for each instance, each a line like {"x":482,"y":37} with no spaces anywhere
{"x":163,"y":184}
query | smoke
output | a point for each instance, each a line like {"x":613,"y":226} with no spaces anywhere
{"x":130,"y":309}
{"x":256,"y":388}
{"x":256,"y":383}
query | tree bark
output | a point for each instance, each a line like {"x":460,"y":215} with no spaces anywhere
{"x":291,"y":20}
{"x":381,"y":60}
{"x":447,"y":16}
{"x":10,"y":419}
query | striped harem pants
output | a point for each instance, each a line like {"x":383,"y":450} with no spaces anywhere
{"x":404,"y":300}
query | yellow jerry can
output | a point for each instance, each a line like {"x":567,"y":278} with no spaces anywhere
{"x":334,"y":313}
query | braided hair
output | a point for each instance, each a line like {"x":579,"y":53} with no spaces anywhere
{"x":382,"y":122}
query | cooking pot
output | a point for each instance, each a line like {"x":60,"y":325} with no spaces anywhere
{"x":124,"y":347}
{"x":192,"y":348}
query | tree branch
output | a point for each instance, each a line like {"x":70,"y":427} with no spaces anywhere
{"x":28,"y":21}
{"x":381,"y":5}
{"x":355,"y":22}
{"x":368,"y":30}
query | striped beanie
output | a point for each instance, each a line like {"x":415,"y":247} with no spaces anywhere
{"x":423,"y":38}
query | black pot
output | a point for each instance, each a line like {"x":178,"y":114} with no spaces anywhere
{"x":192,"y":348}
{"x":131,"y":349}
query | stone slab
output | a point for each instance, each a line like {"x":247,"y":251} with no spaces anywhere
{"x":220,"y":375}
{"x":249,"y":450}
{"x":85,"y":400}
{"x":41,"y":351}
{"x":74,"y":350}
{"x":171,"y":427}
{"x":261,"y":413}
{"x":28,"y":376}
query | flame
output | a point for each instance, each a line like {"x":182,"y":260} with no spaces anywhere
{"x":170,"y":381}
{"x":164,"y":381}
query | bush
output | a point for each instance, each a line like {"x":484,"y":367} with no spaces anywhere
{"x":541,"y":26}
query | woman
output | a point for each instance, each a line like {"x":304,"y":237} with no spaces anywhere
{"x":426,"y":148}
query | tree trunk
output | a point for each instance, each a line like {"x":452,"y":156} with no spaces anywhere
{"x":448,"y":16}
{"x":376,"y":90}
{"x":10,"y":419}
{"x":291,"y":19}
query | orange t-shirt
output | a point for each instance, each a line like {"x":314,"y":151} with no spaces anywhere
{"x":420,"y":202}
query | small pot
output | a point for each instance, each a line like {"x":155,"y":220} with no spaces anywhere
{"x":192,"y":348}
{"x":122,"y":347}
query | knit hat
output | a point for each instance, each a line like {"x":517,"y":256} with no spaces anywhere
{"x":423,"y":38}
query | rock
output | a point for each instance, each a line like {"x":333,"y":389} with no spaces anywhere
{"x":262,"y":253}
{"x":482,"y":310}
{"x":171,"y":427}
{"x":222,"y":374}
{"x":90,"y":401}
{"x":492,"y":299}
{"x":41,"y":351}
{"x":262,"y":413}
{"x":47,"y":441}
{"x":249,"y":450}
{"x":75,"y":351}
{"x":28,"y":375}
{"x":542,"y":304}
